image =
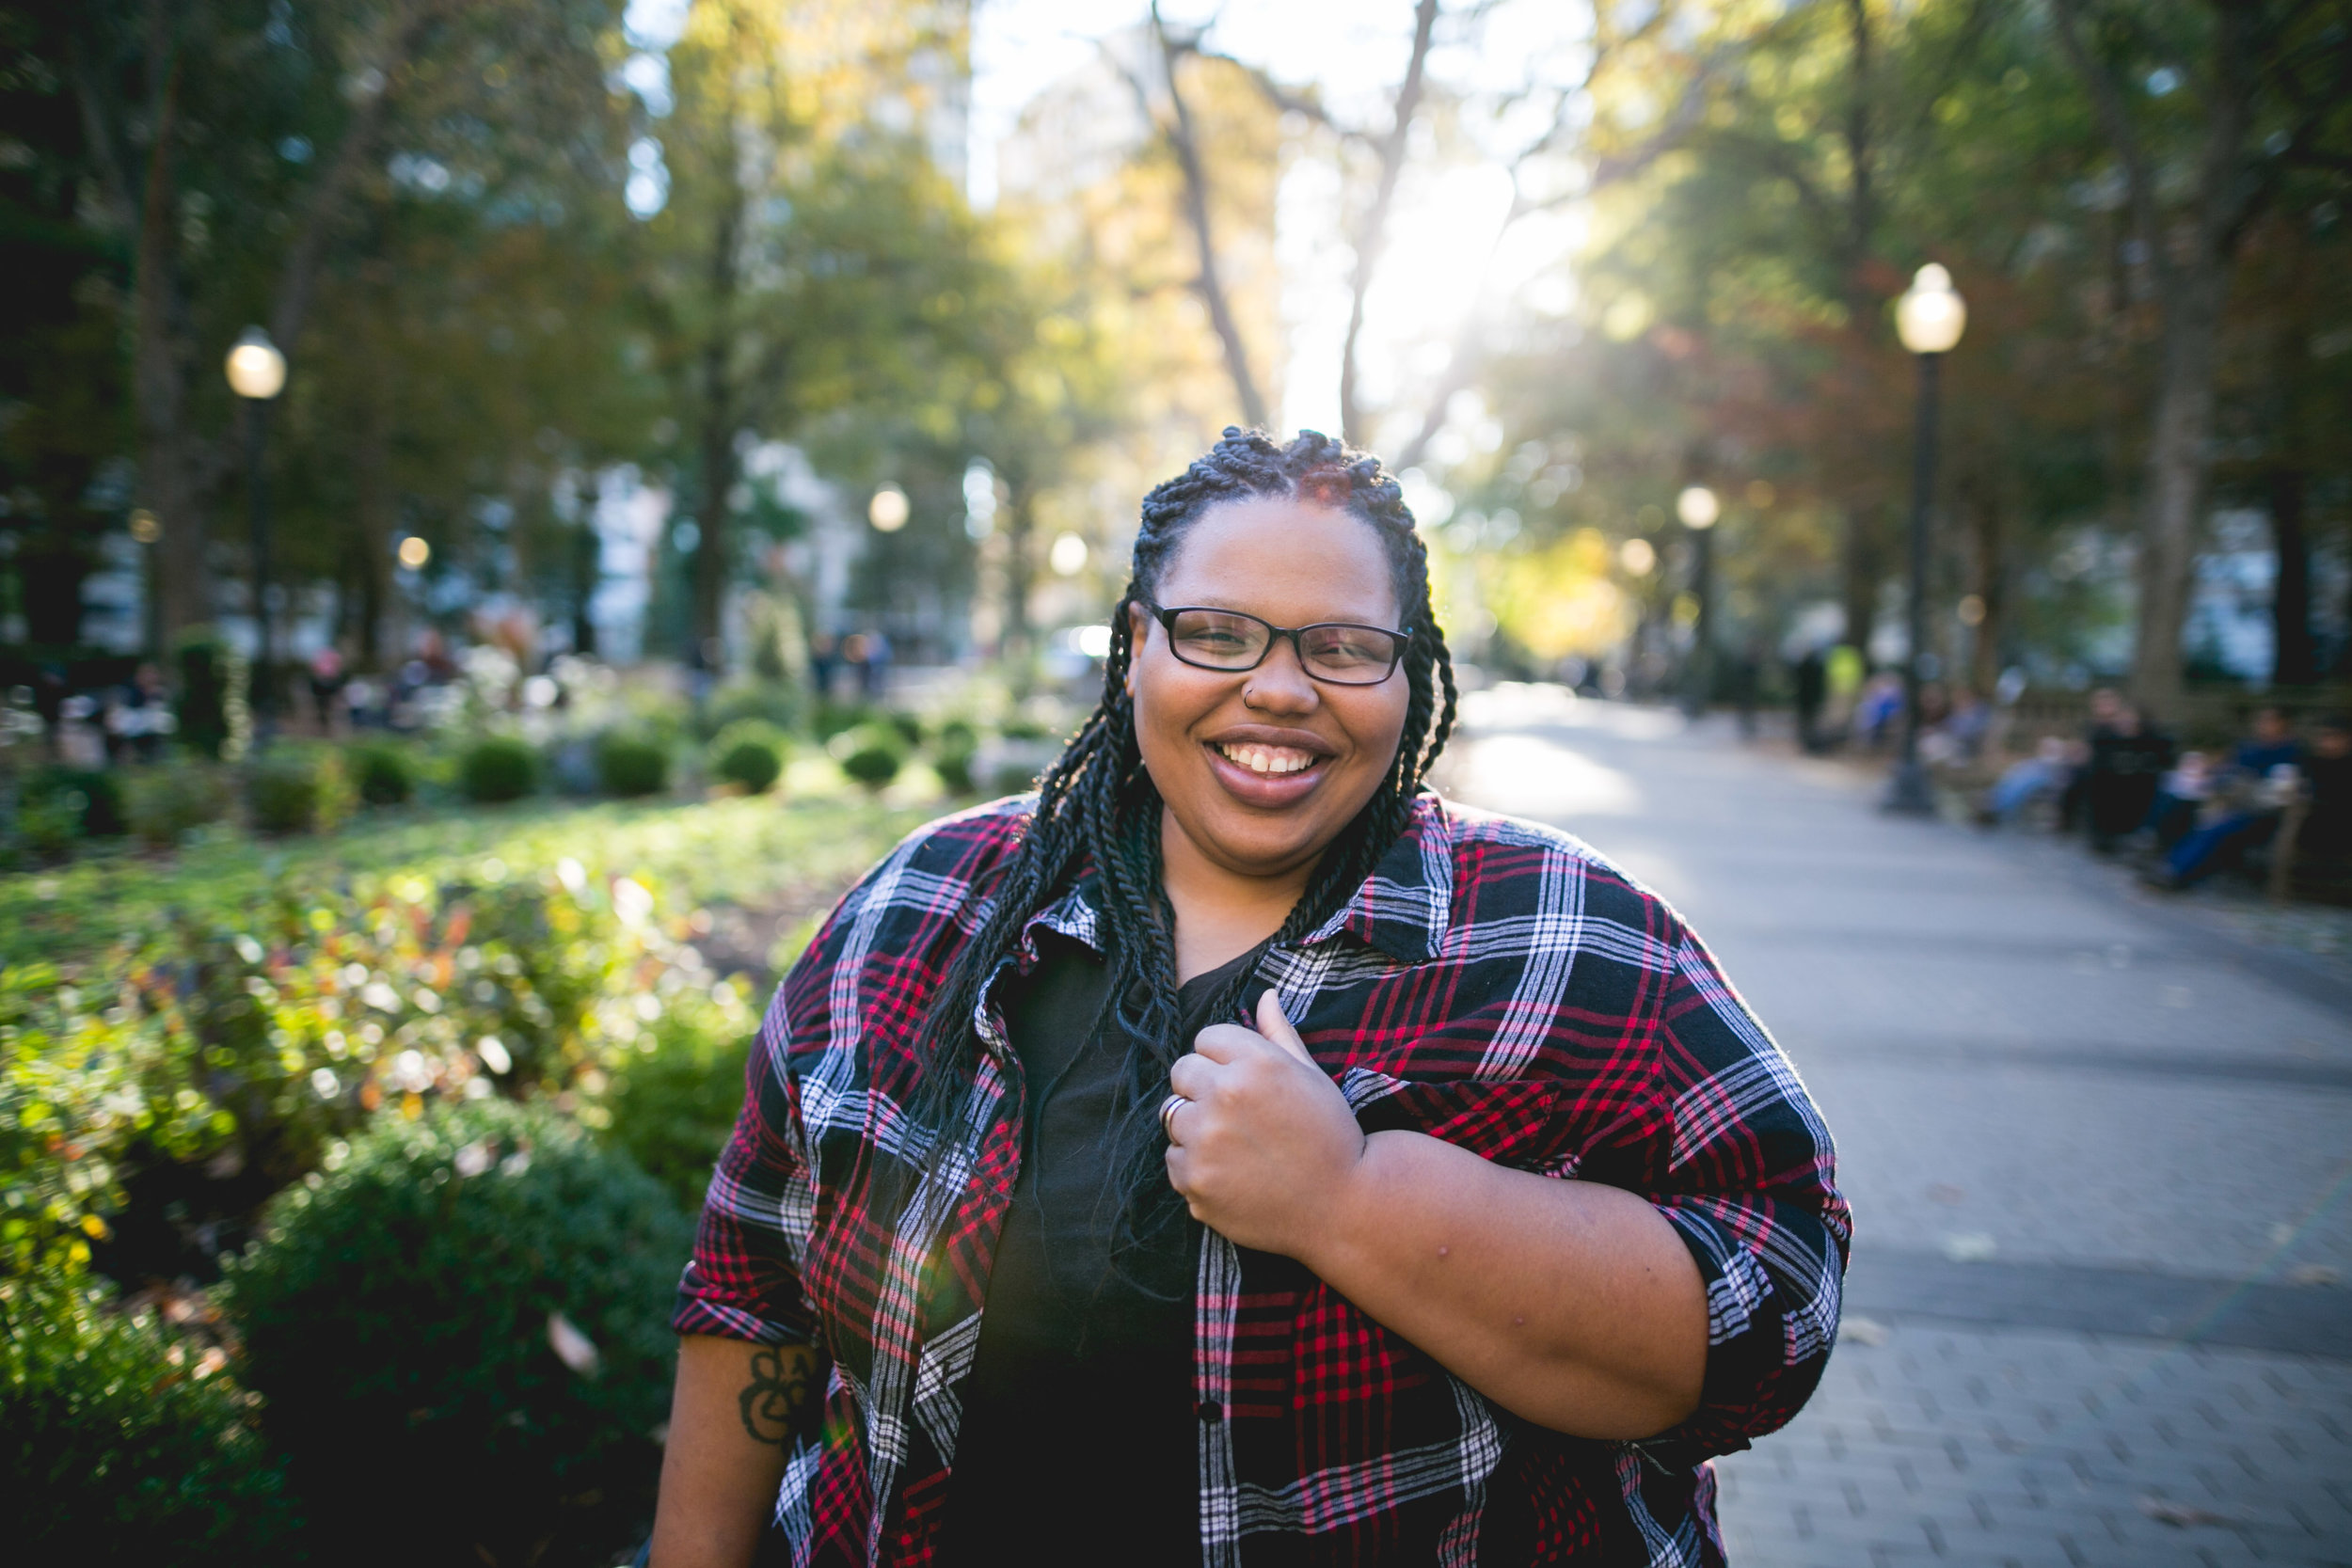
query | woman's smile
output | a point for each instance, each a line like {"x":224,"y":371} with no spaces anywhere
{"x":1266,"y":767}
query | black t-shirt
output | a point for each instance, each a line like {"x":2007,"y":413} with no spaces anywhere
{"x":1079,"y":1440}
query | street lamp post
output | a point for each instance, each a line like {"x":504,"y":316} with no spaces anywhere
{"x":1929,"y":318}
{"x":1698,"y":509}
{"x":256,"y":372}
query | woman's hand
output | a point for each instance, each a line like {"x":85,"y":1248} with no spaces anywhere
{"x":1264,"y":1146}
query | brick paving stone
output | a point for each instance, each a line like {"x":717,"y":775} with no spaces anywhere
{"x":2023,"y":1061}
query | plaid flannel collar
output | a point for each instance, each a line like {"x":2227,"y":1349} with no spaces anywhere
{"x":1402,"y":908}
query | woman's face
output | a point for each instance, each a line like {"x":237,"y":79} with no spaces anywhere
{"x":1263,"y":769}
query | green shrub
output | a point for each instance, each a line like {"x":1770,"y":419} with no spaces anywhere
{"x":296,"y":790}
{"x":89,"y":799}
{"x":750,"y":752}
{"x":469,"y":1317}
{"x":952,"y":752}
{"x":46,"y":826}
{"x":777,"y":702}
{"x":381,"y":772}
{"x":832,"y":717}
{"x":870,"y":753}
{"x":169,"y":801}
{"x":671,"y":1100}
{"x":122,"y":1445}
{"x":910,"y":728}
{"x":498,"y":767}
{"x":630,"y":765}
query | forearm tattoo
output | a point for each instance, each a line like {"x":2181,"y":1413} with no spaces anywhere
{"x":781,"y":1397}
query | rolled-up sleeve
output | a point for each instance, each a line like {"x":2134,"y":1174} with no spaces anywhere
{"x":1751,"y":1186}
{"x":744,"y":1281}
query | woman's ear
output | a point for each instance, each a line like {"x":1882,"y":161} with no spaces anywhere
{"x":1138,"y":631}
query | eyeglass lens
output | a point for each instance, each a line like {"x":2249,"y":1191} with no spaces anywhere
{"x":1342,"y":654}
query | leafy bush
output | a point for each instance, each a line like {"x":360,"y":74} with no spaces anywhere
{"x":119,"y":1444}
{"x":471,"y":1312}
{"x":170,"y":800}
{"x":832,"y":717}
{"x":47,"y":826}
{"x":952,"y":752}
{"x":80,"y":1084}
{"x":498,"y":767}
{"x":774,"y":701}
{"x":910,"y":728}
{"x":297,"y":789}
{"x":671,"y":1101}
{"x":630,"y":765}
{"x":90,"y":798}
{"x":382,"y":774}
{"x":750,"y":752}
{"x":870,"y":753}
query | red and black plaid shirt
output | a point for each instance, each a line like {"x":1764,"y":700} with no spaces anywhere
{"x":1494,"y":984}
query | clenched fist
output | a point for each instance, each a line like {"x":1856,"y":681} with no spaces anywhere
{"x":1262,"y":1146}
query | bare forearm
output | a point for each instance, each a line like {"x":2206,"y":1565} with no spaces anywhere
{"x":1571,"y":1304}
{"x":735,"y":1410}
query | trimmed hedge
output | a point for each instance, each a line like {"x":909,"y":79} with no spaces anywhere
{"x":630,"y":765}
{"x":383,"y":773}
{"x":467,"y":1318}
{"x":297,"y":789}
{"x":750,"y":752}
{"x":169,"y":801}
{"x":122,"y":1444}
{"x":496,"y":768}
{"x":870,"y":753}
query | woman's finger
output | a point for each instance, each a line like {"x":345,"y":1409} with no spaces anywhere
{"x":1224,"y":1043}
{"x":1193,"y":1076}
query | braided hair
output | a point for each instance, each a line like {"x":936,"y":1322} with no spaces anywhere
{"x":1097,"y":805}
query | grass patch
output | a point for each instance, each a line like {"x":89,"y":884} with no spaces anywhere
{"x":716,"y":852}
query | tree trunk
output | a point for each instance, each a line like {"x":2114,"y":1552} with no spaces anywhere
{"x":2174,"y":508}
{"x":1210,"y":283}
{"x":381,"y":640}
{"x":1019,"y":570}
{"x":587,"y":566}
{"x":167,"y":481}
{"x":2297,"y":659}
{"x":1865,"y":569}
{"x":1991,"y":590}
{"x":1372,"y":236}
{"x":710,"y":550}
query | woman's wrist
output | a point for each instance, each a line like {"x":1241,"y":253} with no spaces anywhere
{"x":1335,"y":1226}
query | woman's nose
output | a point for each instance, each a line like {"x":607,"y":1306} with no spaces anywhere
{"x":1281,"y":684}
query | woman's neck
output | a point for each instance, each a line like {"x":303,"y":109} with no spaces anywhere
{"x":1220,"y":913}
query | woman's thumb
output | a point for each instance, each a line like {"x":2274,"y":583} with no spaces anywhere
{"x":1276,"y":1025}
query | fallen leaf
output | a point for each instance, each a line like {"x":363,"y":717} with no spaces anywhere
{"x":573,"y":1348}
{"x":2164,"y":1510}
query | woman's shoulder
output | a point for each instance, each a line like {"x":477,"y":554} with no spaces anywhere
{"x":1497,"y":852}
{"x":942,"y":863}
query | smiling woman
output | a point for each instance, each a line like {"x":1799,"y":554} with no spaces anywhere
{"x":1234,"y":1143}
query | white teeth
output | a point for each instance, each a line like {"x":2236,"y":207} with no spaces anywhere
{"x":1268,"y":759}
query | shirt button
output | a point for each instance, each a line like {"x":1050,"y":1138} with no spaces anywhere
{"x":1209,"y":1411}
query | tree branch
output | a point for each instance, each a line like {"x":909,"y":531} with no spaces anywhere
{"x":1371,"y":235}
{"x":2106,"y":97}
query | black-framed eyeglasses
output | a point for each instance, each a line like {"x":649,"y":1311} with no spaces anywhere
{"x":1339,"y":652}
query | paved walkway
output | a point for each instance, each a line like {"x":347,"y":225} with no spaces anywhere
{"x":2099,"y":1156}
